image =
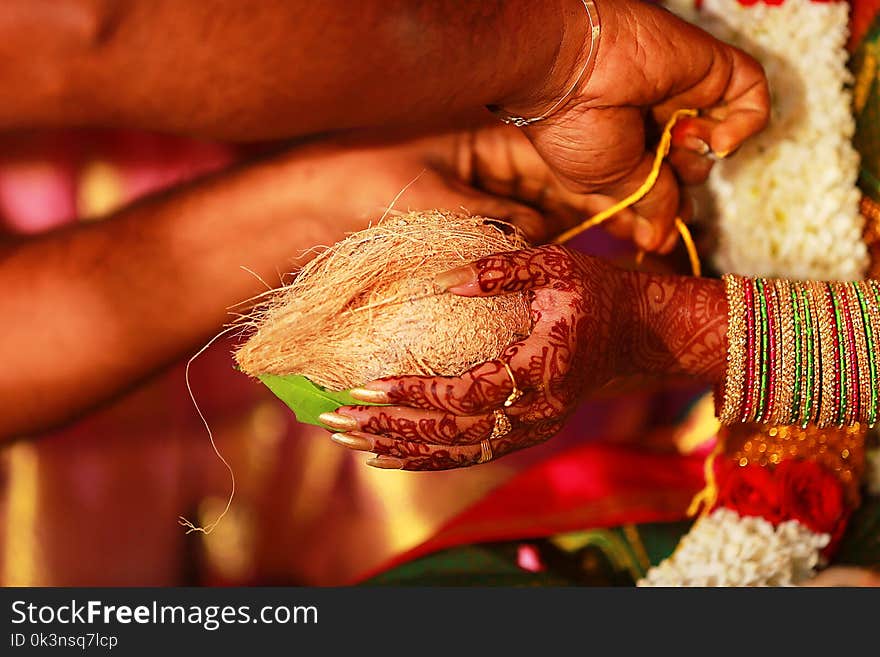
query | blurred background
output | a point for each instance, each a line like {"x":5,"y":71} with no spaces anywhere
{"x":97,"y":503}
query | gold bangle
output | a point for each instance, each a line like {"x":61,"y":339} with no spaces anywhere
{"x":828,"y":355}
{"x":786,"y":359}
{"x":805,"y":323}
{"x":731,"y":408}
{"x":757,"y":354}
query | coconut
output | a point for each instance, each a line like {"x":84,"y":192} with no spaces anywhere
{"x":367,"y":307}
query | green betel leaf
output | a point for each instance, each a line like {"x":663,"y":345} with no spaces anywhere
{"x":306,"y":399}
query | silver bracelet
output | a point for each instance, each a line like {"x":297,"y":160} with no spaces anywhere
{"x":521,"y":122}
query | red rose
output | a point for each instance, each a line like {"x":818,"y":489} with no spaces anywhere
{"x":812,"y":495}
{"x":750,"y":490}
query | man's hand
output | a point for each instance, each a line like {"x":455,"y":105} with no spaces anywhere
{"x":649,"y":63}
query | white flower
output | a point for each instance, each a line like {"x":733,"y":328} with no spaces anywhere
{"x":724,"y":549}
{"x":787,"y":203}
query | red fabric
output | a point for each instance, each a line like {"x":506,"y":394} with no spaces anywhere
{"x":595,"y":485}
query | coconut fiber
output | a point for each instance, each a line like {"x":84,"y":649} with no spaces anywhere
{"x":367,"y":307}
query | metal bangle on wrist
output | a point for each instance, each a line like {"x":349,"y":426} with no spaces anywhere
{"x":520,"y":121}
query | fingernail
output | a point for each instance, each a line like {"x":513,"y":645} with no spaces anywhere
{"x":386,"y":463}
{"x":369,"y":396}
{"x":455,"y":277}
{"x":337,"y":421}
{"x":696,"y":144}
{"x":644,"y":233}
{"x":352,"y":442}
{"x":720,"y":155}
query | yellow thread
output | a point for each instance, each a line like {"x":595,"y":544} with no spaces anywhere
{"x":706,"y":497}
{"x":661,"y":152}
{"x":709,"y":495}
{"x":638,"y":547}
{"x":688,"y":240}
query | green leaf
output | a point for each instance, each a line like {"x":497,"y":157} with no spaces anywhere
{"x":306,"y":399}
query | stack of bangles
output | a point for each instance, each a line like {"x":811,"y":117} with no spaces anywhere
{"x":801,"y":352}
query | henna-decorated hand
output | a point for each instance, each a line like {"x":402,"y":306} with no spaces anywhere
{"x":436,"y":423}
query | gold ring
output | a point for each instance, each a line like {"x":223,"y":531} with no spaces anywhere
{"x":515,"y":393}
{"x":502,"y":424}
{"x":485,"y":451}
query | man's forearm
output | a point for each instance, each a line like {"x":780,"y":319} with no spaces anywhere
{"x":278,"y":68}
{"x":91,"y":310}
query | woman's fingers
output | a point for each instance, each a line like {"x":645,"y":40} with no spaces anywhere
{"x":409,"y":455}
{"x":478,"y":391}
{"x":394,"y":454}
{"x":424,"y":426}
{"x":404,"y":423}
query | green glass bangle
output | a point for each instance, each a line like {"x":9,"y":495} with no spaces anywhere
{"x":811,"y":358}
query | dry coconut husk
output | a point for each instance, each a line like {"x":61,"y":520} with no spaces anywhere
{"x":367,"y":307}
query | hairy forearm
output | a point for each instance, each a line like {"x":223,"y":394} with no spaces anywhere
{"x":673,"y":325}
{"x":278,"y":68}
{"x":89,"y":311}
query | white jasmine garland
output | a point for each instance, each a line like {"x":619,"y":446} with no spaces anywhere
{"x":786,"y":204}
{"x":724,"y":549}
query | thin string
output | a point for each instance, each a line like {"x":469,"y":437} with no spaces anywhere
{"x":661,"y":152}
{"x":207,"y":529}
{"x":707,"y":497}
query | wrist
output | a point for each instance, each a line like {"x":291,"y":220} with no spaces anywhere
{"x":672,"y":326}
{"x":627,"y":321}
{"x":558,"y":78}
